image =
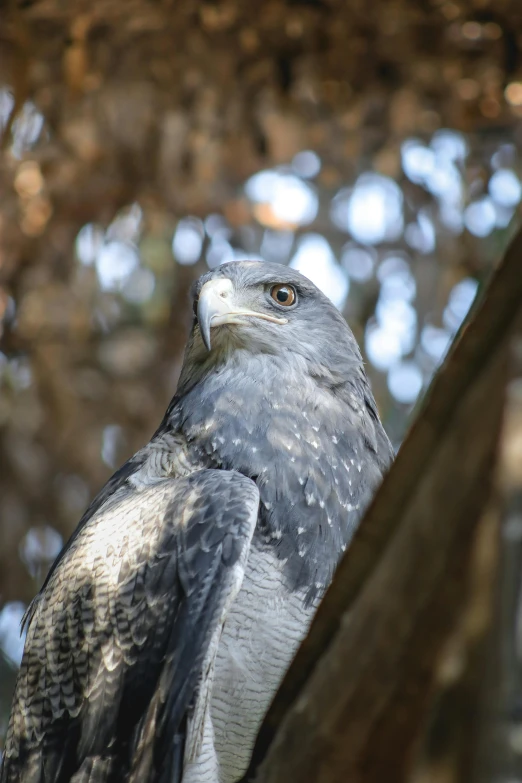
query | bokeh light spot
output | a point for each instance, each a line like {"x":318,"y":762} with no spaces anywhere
{"x":405,"y":382}
{"x":314,"y":258}
{"x":449,"y":145}
{"x":435,"y":342}
{"x":188,"y":241}
{"x":480,"y":217}
{"x":383,"y":347}
{"x":38,"y":549}
{"x":359,"y":262}
{"x":115,"y":263}
{"x":372,"y":211}
{"x":418,"y":160}
{"x":398,"y":317}
{"x":505,"y":188}
{"x":460,"y":300}
{"x":286,"y":199}
{"x":89,"y":241}
{"x":306,"y":164}
{"x":513,"y":93}
{"x":11,"y":642}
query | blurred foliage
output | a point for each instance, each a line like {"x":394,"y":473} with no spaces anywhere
{"x":376,"y":146}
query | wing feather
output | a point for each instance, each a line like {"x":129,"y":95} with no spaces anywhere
{"x":119,"y":635}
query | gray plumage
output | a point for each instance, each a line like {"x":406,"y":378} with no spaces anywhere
{"x":164,"y":627}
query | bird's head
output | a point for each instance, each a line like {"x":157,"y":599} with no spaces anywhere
{"x":259,"y":308}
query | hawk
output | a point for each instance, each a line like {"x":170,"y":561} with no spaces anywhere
{"x":167,"y":622}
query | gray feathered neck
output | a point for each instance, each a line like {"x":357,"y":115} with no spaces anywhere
{"x":309,"y":437}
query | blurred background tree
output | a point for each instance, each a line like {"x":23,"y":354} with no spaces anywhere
{"x":373,"y":145}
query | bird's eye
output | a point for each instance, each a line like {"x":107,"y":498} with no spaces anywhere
{"x":283,"y":294}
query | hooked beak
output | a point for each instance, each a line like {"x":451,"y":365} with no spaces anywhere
{"x":216,"y":308}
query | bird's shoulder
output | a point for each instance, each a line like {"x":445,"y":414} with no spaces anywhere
{"x":165,"y":456}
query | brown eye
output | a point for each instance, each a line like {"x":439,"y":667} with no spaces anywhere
{"x":283,"y":294}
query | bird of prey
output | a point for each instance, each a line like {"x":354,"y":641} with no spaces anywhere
{"x":166,"y":624}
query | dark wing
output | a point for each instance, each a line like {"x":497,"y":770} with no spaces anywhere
{"x":117,"y":639}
